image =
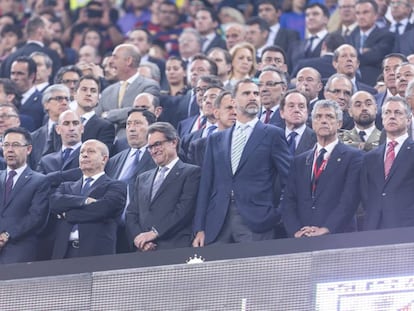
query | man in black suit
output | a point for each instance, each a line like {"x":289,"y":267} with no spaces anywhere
{"x":128,"y":164}
{"x":87,"y":97}
{"x":23,"y":200}
{"x":257,"y":32}
{"x":224,"y":110}
{"x":294,"y":110}
{"x":345,"y":61}
{"x":162,"y":206}
{"x":309,"y":82}
{"x":323,"y":64}
{"x":317,"y":16}
{"x":272,"y":87}
{"x":55,"y":100}
{"x":274,"y":56}
{"x":23,"y":73}
{"x":401,"y":12}
{"x":371,"y":42}
{"x":38,"y":36}
{"x":270,"y":11}
{"x":88,"y":209}
{"x":206,"y":23}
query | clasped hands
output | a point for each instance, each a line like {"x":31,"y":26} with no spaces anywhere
{"x":309,"y":231}
{"x":143,"y":241}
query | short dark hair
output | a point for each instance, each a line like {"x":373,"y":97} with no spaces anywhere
{"x":211,"y":80}
{"x":31,"y":65}
{"x":333,"y":41}
{"x":274,"y":48}
{"x":276,"y":4}
{"x":213,"y":14}
{"x":219,"y":98}
{"x":213,"y":66}
{"x":17,"y":30}
{"x":292,"y":91}
{"x":227,"y":56}
{"x":324,"y":8}
{"x":165,"y":128}
{"x":22,"y":131}
{"x":148,"y":115}
{"x":263,"y":25}
{"x":89,"y":77}
{"x":236,"y":87}
{"x":402,"y":57}
{"x":34,"y":24}
{"x":9,"y":87}
{"x":149,"y":36}
{"x":372,"y":2}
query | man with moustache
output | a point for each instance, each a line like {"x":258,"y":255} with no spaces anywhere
{"x":364,"y":135}
{"x":238,"y":186}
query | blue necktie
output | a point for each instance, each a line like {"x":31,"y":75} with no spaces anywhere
{"x":292,"y":142}
{"x":66,"y":154}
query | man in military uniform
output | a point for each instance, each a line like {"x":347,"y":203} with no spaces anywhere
{"x":364,"y":135}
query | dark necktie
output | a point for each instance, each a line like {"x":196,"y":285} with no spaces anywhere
{"x":267,"y":116}
{"x":211,"y":129}
{"x":132,"y":167}
{"x":292,"y":142}
{"x":158,"y":181}
{"x":9,"y":186}
{"x":317,"y":169}
{"x":362,"y":135}
{"x":320,"y":158}
{"x":87,"y":185}
{"x":66,"y":154}
{"x":346,"y":33}
{"x":397,"y":28}
{"x":309,"y":47}
{"x":202,"y":122}
{"x":389,"y":157}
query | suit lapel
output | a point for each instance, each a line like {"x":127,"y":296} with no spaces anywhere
{"x":257,"y":135}
{"x":18,"y":187}
{"x":226,"y":144}
{"x":402,"y":157}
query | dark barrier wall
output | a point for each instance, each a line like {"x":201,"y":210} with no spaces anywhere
{"x":360,"y":271}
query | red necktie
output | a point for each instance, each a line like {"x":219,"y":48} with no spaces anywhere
{"x":389,"y":157}
{"x":267,"y":116}
{"x":9,"y":186}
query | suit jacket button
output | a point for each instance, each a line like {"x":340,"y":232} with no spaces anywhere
{"x":383,"y":194}
{"x":313,"y":207}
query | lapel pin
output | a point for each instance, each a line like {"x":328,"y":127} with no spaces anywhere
{"x":338,"y":160}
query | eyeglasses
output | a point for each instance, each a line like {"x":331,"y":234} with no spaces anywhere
{"x":8,"y":116}
{"x":343,"y":7}
{"x":156,"y":145}
{"x":14,"y":145}
{"x":270,"y":84}
{"x":398,"y":3}
{"x":59,"y":98}
{"x":68,"y":81}
{"x":337,"y":92}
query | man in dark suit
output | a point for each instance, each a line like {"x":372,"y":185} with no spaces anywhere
{"x":317,"y":16}
{"x":23,"y":200}
{"x":23,"y":73}
{"x":386,"y":179}
{"x":206,"y":22}
{"x":404,"y":43}
{"x":401,"y":12}
{"x":128,"y":164}
{"x":272,"y":87}
{"x":55,"y":100}
{"x":309,"y":82}
{"x":270,"y":11}
{"x":345,"y":61}
{"x":95,"y":127}
{"x":162,"y":206}
{"x":38,"y":35}
{"x":237,"y":200}
{"x":322,"y":193}
{"x":224,"y":111}
{"x":371,"y":42}
{"x":116,"y":100}
{"x":322,"y":63}
{"x":294,"y":110}
{"x":87,"y":209}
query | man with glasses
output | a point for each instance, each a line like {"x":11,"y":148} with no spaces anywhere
{"x":339,"y":88}
{"x":24,"y":201}
{"x":69,"y":76}
{"x":272,"y":87}
{"x":55,"y":100}
{"x":161,"y":210}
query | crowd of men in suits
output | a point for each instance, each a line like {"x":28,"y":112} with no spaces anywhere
{"x":99,"y":164}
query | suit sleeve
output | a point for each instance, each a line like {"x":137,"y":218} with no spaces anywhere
{"x":37,"y":212}
{"x":110,"y":205}
{"x":383,"y":46}
{"x":281,"y":156}
{"x":133,"y":225}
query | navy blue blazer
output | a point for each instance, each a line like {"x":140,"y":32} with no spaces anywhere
{"x":306,"y":142}
{"x":100,"y":129}
{"x":24,"y":215}
{"x":33,"y":107}
{"x":265,"y":157}
{"x":185,"y":144}
{"x":196,"y":151}
{"x":185,"y":126}
{"x":171,"y":210}
{"x":322,"y":64}
{"x":97,"y":222}
{"x":337,"y":195}
{"x":388,"y":203}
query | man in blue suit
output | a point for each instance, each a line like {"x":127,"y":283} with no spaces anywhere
{"x":237,"y":200}
{"x":387,"y":174}
{"x":23,"y":200}
{"x":322,"y":193}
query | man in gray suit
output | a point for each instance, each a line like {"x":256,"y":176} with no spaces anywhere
{"x":117,"y":99}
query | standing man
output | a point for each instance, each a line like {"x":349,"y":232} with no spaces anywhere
{"x":162,"y":206}
{"x":206,"y":23}
{"x":117,"y":99}
{"x":23,"y":73}
{"x":322,"y":193}
{"x":386,"y":177}
{"x":43,"y":70}
{"x":23,"y":200}
{"x":95,"y":127}
{"x":237,"y":201}
{"x":131,"y":162}
{"x":87,"y":209}
{"x":294,"y":110}
{"x":364,"y":135}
